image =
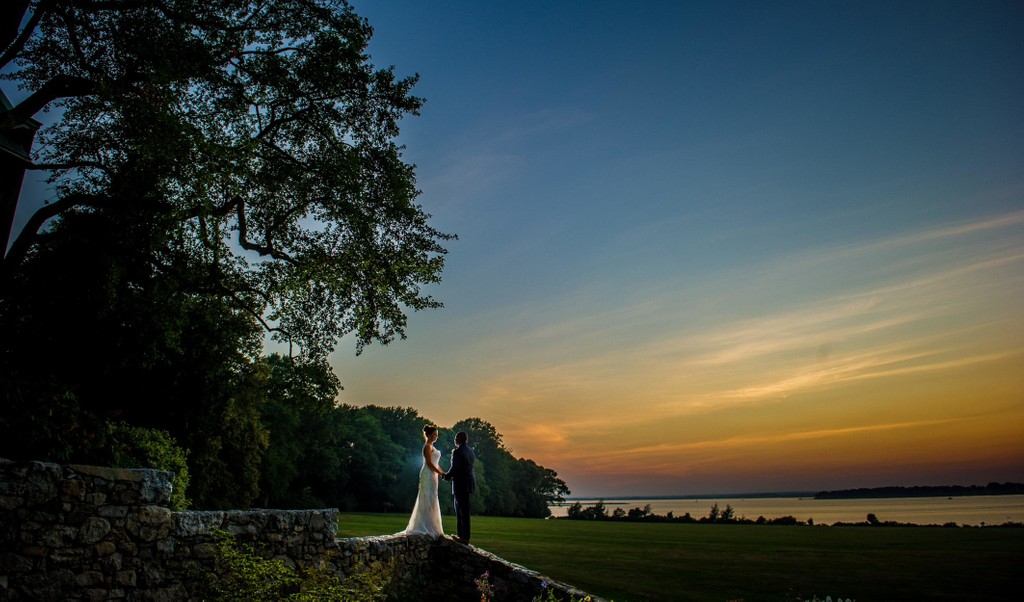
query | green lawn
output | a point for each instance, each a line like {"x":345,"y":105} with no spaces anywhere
{"x":637,"y":561}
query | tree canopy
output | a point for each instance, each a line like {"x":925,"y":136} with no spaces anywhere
{"x":255,"y":137}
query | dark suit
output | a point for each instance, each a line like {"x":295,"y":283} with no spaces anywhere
{"x":463,"y":484}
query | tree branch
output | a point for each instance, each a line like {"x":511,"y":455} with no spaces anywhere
{"x":98,"y":5}
{"x":227,"y":206}
{"x":10,"y":39}
{"x":76,"y":43}
{"x":285,"y":155}
{"x":271,"y":52}
{"x":24,"y":241}
{"x":60,"y":86}
{"x":264,"y":250}
{"x":217,"y":210}
{"x":277,"y":123}
{"x":245,"y":307}
{"x":76,"y":165}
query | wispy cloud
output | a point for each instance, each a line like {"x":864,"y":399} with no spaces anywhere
{"x":949,"y":231}
{"x":483,"y":159}
{"x":872,"y":365}
{"x":463,"y":177}
{"x":665,"y":456}
{"x":556,"y":382}
{"x":918,"y":245}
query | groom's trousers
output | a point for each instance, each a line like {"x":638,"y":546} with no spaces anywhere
{"x":462,"y":514}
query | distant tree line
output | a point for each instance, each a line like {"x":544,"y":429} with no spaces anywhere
{"x":923,"y":491}
{"x":726,"y":516}
{"x":717,"y":515}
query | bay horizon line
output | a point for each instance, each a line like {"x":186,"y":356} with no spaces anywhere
{"x":908,"y":492}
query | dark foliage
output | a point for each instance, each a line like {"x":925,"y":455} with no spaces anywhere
{"x":250,"y":143}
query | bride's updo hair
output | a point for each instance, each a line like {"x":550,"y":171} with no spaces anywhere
{"x":428,"y":431}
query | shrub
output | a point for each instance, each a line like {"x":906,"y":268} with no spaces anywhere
{"x":242,"y":575}
{"x":548,"y":594}
{"x":134,"y":447}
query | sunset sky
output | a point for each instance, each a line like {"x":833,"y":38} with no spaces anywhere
{"x":719,"y":247}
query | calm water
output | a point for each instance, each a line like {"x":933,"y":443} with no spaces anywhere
{"x":970,"y":510}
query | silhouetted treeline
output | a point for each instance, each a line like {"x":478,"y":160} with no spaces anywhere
{"x":717,"y":515}
{"x":923,"y":491}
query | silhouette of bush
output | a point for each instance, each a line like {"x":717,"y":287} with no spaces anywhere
{"x":243,"y":575}
{"x":137,"y":447}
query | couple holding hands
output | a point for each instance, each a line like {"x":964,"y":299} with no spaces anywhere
{"x":426,"y":514}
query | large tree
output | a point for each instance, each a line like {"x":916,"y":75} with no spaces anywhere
{"x":253,"y":137}
{"x":218,"y":167}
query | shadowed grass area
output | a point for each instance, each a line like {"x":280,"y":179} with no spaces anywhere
{"x":656,"y":562}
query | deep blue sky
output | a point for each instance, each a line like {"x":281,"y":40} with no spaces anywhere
{"x":560,"y":133}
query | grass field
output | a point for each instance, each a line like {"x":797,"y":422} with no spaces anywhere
{"x":632,"y":562}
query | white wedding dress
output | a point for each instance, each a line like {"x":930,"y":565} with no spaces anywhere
{"x":426,"y":514}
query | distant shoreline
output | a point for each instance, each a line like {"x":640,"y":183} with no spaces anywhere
{"x":840,"y":494}
{"x":928,"y":491}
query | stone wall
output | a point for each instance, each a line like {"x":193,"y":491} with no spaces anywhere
{"x":94,"y":533}
{"x":443,"y":569}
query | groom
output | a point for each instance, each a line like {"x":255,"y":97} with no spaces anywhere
{"x":463,"y":483}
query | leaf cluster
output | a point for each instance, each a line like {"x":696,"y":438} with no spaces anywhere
{"x":134,"y":447}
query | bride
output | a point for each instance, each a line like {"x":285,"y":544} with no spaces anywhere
{"x":426,"y":514}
